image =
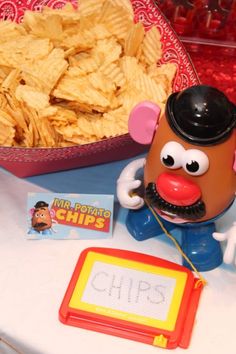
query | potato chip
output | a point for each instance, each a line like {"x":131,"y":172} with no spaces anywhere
{"x":126,"y":5}
{"x":3,"y":101}
{"x":88,"y":7}
{"x":164,"y":74}
{"x":68,"y":14}
{"x":114,"y":17}
{"x":151,"y":47}
{"x":44,"y":134}
{"x":79,"y":90}
{"x":47,"y":111}
{"x":134,"y":40}
{"x":99,"y":81}
{"x":28,"y":137}
{"x":7,"y":129}
{"x":87,"y":64}
{"x":37,"y":25}
{"x":81,"y":41}
{"x":100,"y":31}
{"x":131,"y":68}
{"x":31,"y":118}
{"x":46,"y":72}
{"x":110,"y":124}
{"x":155,"y":91}
{"x":76,"y":134}
{"x":72,"y":76}
{"x":24,"y":50}
{"x":6,"y":119}
{"x":130,"y":96}
{"x":48,"y":134}
{"x":32,"y":97}
{"x":114,"y":73}
{"x":115,"y":122}
{"x":10,"y":31}
{"x":108,"y":50}
{"x":62,"y":116}
{"x":4,"y":71}
{"x":13,"y":108}
{"x":7,"y":134}
{"x":11,"y":80}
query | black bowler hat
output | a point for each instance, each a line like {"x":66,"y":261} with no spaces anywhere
{"x":201,"y":115}
{"x":41,"y":204}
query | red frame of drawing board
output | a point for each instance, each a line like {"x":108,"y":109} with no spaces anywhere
{"x":175,"y":332}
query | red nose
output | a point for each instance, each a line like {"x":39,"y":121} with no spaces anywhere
{"x":177,"y":190}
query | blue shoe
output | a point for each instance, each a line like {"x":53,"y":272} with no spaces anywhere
{"x":33,"y":231}
{"x":200,"y":247}
{"x":47,"y":232}
{"x":142,"y":224}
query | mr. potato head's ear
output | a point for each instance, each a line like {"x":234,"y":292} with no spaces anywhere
{"x":143,"y":122}
{"x":31,"y":211}
{"x":234,"y":166}
{"x":52,"y":213}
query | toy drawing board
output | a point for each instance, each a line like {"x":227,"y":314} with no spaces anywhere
{"x":132,"y":295}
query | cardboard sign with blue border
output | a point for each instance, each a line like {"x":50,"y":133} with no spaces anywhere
{"x":69,"y":216}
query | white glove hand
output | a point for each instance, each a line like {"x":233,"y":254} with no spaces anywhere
{"x":230,"y":236}
{"x":127,"y":183}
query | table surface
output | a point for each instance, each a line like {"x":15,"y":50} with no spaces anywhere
{"x":34,"y":275}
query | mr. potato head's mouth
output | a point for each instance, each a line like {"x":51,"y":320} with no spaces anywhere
{"x":190,"y":212}
{"x":39,"y":225}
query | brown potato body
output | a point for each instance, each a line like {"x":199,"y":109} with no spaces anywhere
{"x":217,"y":184}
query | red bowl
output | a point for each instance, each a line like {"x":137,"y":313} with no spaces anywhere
{"x":24,"y":162}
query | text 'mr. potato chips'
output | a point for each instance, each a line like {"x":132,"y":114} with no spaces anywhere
{"x":71,"y":77}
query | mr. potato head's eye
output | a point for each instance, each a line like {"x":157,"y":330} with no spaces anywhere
{"x":171,"y":155}
{"x":195,"y":162}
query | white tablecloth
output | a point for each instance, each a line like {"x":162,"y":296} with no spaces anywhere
{"x":34,"y":276}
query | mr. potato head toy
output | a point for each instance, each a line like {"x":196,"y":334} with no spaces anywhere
{"x":189,"y":175}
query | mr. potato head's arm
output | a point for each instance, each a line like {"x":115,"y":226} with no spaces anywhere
{"x":143,"y":122}
{"x":229,"y":236}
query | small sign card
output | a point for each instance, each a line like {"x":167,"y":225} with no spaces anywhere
{"x":69,"y":216}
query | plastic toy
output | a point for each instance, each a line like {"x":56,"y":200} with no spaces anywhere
{"x":189,"y":172}
{"x":132,"y":295}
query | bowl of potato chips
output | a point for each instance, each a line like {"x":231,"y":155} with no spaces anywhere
{"x":71,"y":72}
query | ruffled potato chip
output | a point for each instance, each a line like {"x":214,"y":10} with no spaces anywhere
{"x":151,"y":46}
{"x":7,"y":134}
{"x":88,"y":7}
{"x":115,"y":18}
{"x":134,"y":39}
{"x":163,"y":74}
{"x":126,"y":5}
{"x":36,"y":25}
{"x":46,"y":72}
{"x":33,"y":98}
{"x":114,"y":73}
{"x":10,"y":31}
{"x":72,"y":76}
{"x":80,"y":90}
{"x":24,"y":50}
